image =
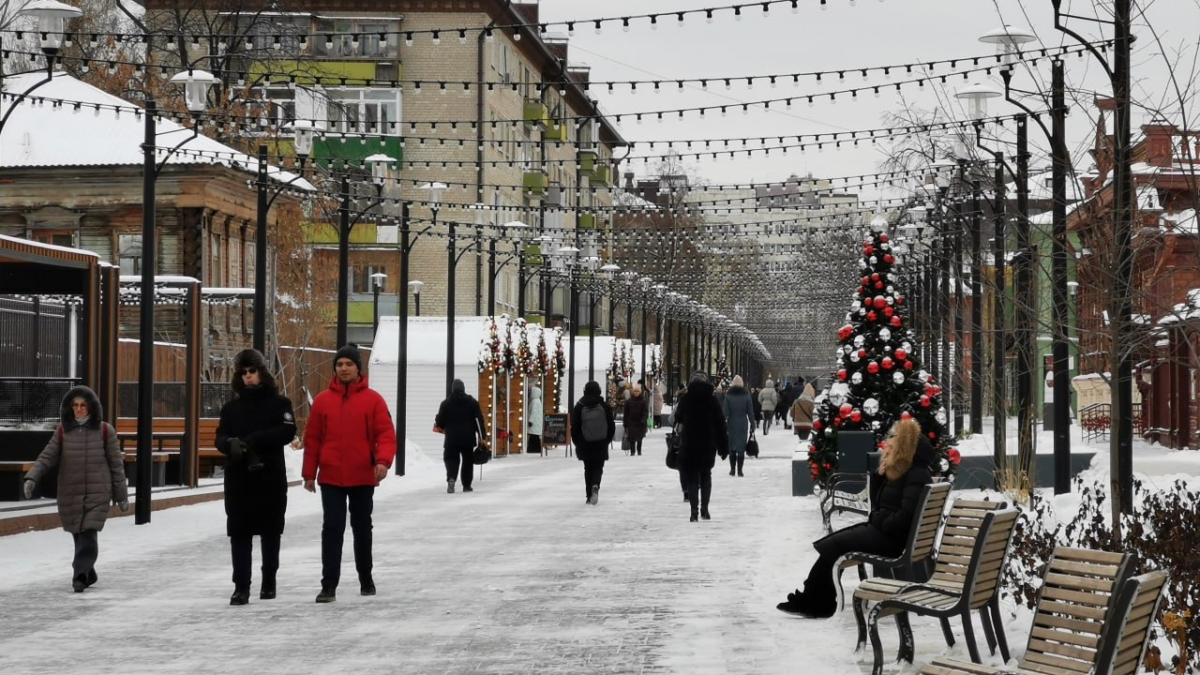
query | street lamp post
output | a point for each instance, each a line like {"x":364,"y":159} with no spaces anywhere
{"x":434,"y":201}
{"x":304,"y":131}
{"x":568,"y":254}
{"x":646,"y":282}
{"x":379,"y":174}
{"x":377,"y":280}
{"x":416,"y":291}
{"x":515,"y":230}
{"x":52,"y":17}
{"x":195,"y":84}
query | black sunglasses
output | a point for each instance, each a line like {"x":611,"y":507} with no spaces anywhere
{"x":249,"y":371}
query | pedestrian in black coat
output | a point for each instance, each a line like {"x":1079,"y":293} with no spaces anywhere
{"x":705,"y":435}
{"x":253,"y":430}
{"x":903,"y":472}
{"x":461,"y":419}
{"x":637,"y":414}
{"x":593,"y":454}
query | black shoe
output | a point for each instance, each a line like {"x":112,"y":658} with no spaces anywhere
{"x":327,"y":595}
{"x":704,"y":514}
{"x":241,"y":596}
{"x":740,"y":475}
{"x":92,"y":578}
{"x":731,"y":472}
{"x":693,"y":518}
{"x":449,"y":487}
{"x":468,"y":489}
{"x":685,"y":497}
{"x":79,"y":582}
{"x":594,"y":497}
{"x":366,"y":587}
{"x":267,"y":592}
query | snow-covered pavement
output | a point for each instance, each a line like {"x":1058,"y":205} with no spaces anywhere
{"x":520,"y":576}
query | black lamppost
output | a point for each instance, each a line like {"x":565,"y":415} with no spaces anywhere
{"x":515,"y":230}
{"x":434,"y":202}
{"x":568,"y":254}
{"x":379,"y":174}
{"x":304,"y":131}
{"x":646,"y":282}
{"x":195,"y":84}
{"x":377,"y":281}
{"x":416,"y":291}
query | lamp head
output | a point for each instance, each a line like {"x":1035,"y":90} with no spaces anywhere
{"x":416,"y":286}
{"x":304,"y":131}
{"x":52,"y":17}
{"x":435,"y":192}
{"x":1008,"y":40}
{"x":377,"y":280}
{"x":379,"y":168}
{"x":976,"y":95}
{"x":195,"y":88}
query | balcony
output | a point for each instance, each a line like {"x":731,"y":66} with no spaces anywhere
{"x":602,"y":175}
{"x":533,"y":255}
{"x":585,"y":221}
{"x":556,"y":132}
{"x":536,"y":113}
{"x":535,"y":182}
{"x":327,"y":233}
{"x":337,"y":149}
{"x":587,"y":159}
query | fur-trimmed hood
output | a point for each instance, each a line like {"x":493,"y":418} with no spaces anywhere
{"x":95,"y":410}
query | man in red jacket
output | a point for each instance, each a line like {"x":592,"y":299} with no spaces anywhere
{"x":349,"y":444}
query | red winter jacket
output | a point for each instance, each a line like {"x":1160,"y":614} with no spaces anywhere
{"x":348,"y":433}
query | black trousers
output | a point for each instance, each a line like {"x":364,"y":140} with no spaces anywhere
{"x":534,"y":445}
{"x":87,"y":549}
{"x":459,"y":457}
{"x":334,"y":500}
{"x":699,"y":486}
{"x":593,"y":471}
{"x":635,"y":447}
{"x":241,"y":547}
{"x":860,"y":537}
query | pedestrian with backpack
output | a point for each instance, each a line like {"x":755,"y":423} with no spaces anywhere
{"x":91,"y":477}
{"x":592,"y":430}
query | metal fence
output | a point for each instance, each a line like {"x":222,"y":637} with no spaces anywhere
{"x":32,"y":400}
{"x":170,"y":398}
{"x":35,"y":337}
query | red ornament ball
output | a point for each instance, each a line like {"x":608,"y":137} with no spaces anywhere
{"x":954,"y":456}
{"x":875,"y":276}
{"x":880,"y":302}
{"x":888,"y":311}
{"x":862,"y":353}
{"x":871,"y":316}
{"x":901,"y":353}
{"x":887,"y":363}
{"x":924,"y":401}
{"x":845,"y":332}
{"x":899,"y":299}
{"x":856,"y":416}
{"x":846,"y":409}
{"x":869,"y":250}
{"x":883,"y":238}
{"x":896,"y":321}
{"x":889,"y":259}
{"x":878,"y":285}
{"x":841,"y":375}
{"x":904,"y":416}
{"x":817,"y":424}
{"x":872,"y":367}
{"x":908,"y":365}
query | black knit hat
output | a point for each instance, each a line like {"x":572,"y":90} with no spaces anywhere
{"x":249,"y":358}
{"x":350,"y":351}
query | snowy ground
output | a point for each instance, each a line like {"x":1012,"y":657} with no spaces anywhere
{"x":518,"y":577}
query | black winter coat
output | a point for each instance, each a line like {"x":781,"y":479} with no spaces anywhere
{"x":893,"y":506}
{"x":597,"y":450}
{"x":255,"y":502}
{"x":461,"y":419}
{"x":705,"y":434}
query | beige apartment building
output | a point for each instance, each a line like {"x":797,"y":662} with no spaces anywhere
{"x":529,"y":144}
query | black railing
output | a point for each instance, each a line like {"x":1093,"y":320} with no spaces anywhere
{"x":170,"y":398}
{"x":32,"y":400}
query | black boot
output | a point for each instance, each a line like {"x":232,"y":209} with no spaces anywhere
{"x":695,"y":515}
{"x":740,"y":460}
{"x":79,"y":582}
{"x":704,"y":515}
{"x":327,"y":595}
{"x":732,"y":464}
{"x":241,"y":596}
{"x":267,"y":591}
{"x":92,"y":578}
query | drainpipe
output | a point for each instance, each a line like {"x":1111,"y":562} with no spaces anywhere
{"x":479,"y":114}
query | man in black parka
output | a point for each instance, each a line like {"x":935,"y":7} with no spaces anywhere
{"x":254,"y":428}
{"x":705,"y":435}
{"x":461,"y":419}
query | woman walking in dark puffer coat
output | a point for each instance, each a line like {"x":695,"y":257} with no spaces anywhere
{"x":461,"y":419}
{"x":254,"y":429}
{"x":91,"y":476}
{"x":705,"y":435}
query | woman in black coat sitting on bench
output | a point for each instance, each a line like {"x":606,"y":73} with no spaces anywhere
{"x":903,"y":472}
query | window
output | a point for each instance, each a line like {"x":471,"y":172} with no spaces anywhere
{"x":235,"y":263}
{"x":281,"y":105}
{"x":346,"y":37}
{"x":361,"y":281}
{"x":267,"y":32}
{"x":215,"y":278}
{"x":56,"y":237}
{"x":365,"y":111}
{"x":129,"y":253}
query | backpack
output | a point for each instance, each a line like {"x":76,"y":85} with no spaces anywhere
{"x":593,"y":423}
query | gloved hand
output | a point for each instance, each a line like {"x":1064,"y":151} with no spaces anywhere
{"x":123,"y":505}
{"x":237,"y":449}
{"x":27,"y":488}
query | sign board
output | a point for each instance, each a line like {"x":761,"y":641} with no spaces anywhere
{"x":555,"y":430}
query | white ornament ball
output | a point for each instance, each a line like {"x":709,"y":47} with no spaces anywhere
{"x":940,"y":416}
{"x":856,"y":378}
{"x":874,"y":261}
{"x":871,"y":406}
{"x":859,"y":341}
{"x":854,"y":358}
{"x":885,"y":334}
{"x":898,"y":377}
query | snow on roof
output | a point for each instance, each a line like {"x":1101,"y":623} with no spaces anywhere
{"x":427,"y":340}
{"x":1182,"y":221}
{"x":45,"y":134}
{"x":630,"y":200}
{"x":48,"y":247}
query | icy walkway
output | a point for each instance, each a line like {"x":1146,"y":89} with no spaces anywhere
{"x":520,"y":576}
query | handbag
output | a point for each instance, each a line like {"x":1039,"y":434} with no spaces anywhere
{"x":752,"y":446}
{"x":674,"y":447}
{"x":625,"y":443}
{"x":481,"y":455}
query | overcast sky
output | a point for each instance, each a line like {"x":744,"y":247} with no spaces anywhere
{"x":872,"y":33}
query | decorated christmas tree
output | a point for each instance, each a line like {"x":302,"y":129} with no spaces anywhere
{"x":878,"y":378}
